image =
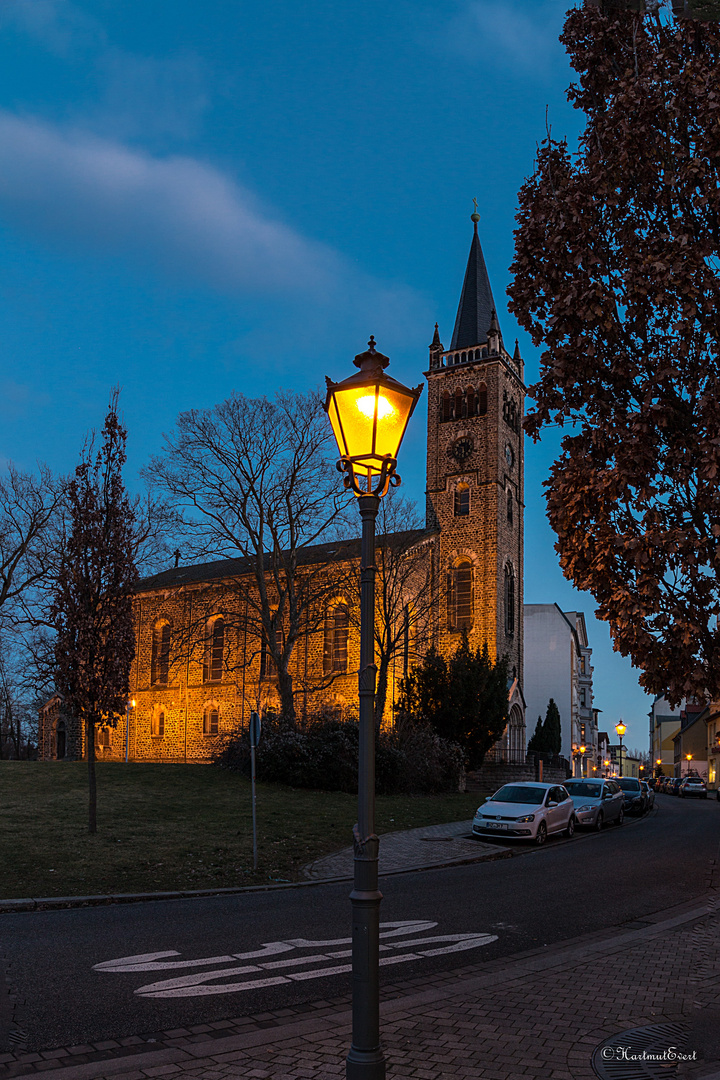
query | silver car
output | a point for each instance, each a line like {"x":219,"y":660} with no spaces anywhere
{"x":596,"y":802}
{"x":526,"y":811}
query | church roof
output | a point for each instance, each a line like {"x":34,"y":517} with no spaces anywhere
{"x":476,"y":306}
{"x":223,"y":569}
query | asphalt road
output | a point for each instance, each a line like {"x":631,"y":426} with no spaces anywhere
{"x":540,"y":897}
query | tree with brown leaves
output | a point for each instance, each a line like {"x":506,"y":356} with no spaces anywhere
{"x":617,"y":276}
{"x":95,"y":639}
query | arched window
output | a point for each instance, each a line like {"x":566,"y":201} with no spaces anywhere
{"x":462,"y":500}
{"x":214,"y":650}
{"x":470,"y":400}
{"x":445,"y":410}
{"x":60,"y":740}
{"x":211,"y":717}
{"x":509,"y":600}
{"x":460,"y":596}
{"x":482,"y":400}
{"x":102,"y":738}
{"x":160,"y":666}
{"x":509,"y":507}
{"x":458,"y":404}
{"x":335,"y":648}
{"x":157,"y":722}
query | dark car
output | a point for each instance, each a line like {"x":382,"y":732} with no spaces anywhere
{"x":635,"y":798}
{"x":672,"y":785}
{"x":692,"y":786}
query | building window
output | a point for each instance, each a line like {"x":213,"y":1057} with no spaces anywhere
{"x":160,"y":666}
{"x":102,"y":738}
{"x":406,"y":640}
{"x":210,"y":720}
{"x":460,"y":596}
{"x":335,"y":648}
{"x":482,"y":400}
{"x":462,"y":500}
{"x":445,"y":410}
{"x":509,"y":600}
{"x":60,"y":740}
{"x":509,"y":507}
{"x":157,"y":723}
{"x":214,"y":650}
{"x":458,"y":404}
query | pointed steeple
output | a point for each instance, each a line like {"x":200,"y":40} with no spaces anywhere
{"x":516,"y":355}
{"x":436,"y":349}
{"x":476,"y":300}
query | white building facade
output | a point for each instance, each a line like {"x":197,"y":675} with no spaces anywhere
{"x":557,"y":664}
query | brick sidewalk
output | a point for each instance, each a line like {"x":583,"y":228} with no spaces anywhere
{"x":412,"y":849}
{"x":538,"y":1015}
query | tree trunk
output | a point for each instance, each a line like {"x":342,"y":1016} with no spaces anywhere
{"x":285,"y":690}
{"x":92,"y":790}
{"x":381,"y":689}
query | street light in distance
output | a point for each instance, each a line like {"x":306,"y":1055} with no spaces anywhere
{"x":369,"y":412}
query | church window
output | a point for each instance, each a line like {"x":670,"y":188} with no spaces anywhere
{"x":214,"y":650}
{"x":160,"y":652}
{"x":60,"y":740}
{"x":462,"y":500}
{"x":461,"y":596}
{"x":470,"y":399}
{"x":157,"y":723}
{"x":406,"y":640}
{"x":509,"y":600}
{"x":102,"y":738}
{"x":210,"y":720}
{"x":464,"y":358}
{"x":458,"y":404}
{"x":335,"y":648}
{"x":445,"y":410}
{"x":509,"y":507}
{"x":482,"y":400}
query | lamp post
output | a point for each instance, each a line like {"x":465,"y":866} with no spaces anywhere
{"x":369,"y":412}
{"x":621,"y":729}
{"x":127,"y":729}
{"x":582,"y":750}
{"x":688,"y":758}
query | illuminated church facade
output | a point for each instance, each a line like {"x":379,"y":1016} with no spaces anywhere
{"x":183,"y":701}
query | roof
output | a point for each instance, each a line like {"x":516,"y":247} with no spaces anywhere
{"x":476,"y":306}
{"x":223,"y":569}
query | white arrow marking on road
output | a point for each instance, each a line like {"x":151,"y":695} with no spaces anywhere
{"x":196,"y":985}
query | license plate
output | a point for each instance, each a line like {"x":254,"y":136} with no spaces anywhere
{"x":496,"y":825}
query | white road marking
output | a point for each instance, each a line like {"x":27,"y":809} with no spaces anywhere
{"x":202,"y":984}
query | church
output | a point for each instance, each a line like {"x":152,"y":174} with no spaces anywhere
{"x":472,"y":544}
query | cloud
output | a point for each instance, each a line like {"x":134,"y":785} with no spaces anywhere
{"x":59,"y":25}
{"x":498,"y":32}
{"x":176,"y":213}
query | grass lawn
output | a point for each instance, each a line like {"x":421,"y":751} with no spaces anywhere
{"x":166,"y":827}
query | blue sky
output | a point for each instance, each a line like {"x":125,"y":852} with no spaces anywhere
{"x":200,"y":198}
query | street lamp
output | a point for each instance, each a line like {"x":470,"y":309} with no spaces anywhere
{"x":688,"y":758}
{"x":582,"y":751}
{"x":621,"y":729}
{"x":127,"y":728}
{"x":369,"y":412}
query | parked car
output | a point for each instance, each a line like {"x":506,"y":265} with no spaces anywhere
{"x":635,"y":799}
{"x":649,"y":794}
{"x":672,"y":786}
{"x":526,"y":811}
{"x":596,"y":802}
{"x":692,"y":786}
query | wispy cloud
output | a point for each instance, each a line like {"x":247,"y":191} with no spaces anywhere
{"x":59,"y":25}
{"x":182,"y":217}
{"x":176,"y":212}
{"x":494,"y":33}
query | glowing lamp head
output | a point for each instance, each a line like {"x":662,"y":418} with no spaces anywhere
{"x":133,"y":703}
{"x":621,"y":729}
{"x":369,"y":413}
{"x":688,"y":757}
{"x":582,"y":749}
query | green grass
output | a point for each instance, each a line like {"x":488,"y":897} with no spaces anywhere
{"x":168,"y":827}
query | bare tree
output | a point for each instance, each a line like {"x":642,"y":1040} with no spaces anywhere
{"x":30,"y":506}
{"x":255,"y":480}
{"x":95,"y":636}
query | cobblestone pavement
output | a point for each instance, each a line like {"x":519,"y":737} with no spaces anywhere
{"x":413,"y":849}
{"x":538,"y":1015}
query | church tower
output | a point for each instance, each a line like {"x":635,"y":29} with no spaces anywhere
{"x":475,"y":478}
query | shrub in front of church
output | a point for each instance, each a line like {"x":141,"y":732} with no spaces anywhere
{"x":463,"y":697}
{"x":324,"y":756}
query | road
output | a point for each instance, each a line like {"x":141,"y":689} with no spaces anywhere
{"x":70,"y":967}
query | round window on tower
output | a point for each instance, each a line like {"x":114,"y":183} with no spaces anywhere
{"x":509,"y":455}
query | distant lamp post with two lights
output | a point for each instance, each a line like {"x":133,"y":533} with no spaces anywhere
{"x":369,"y":412}
{"x":582,"y":750}
{"x":621,"y":729}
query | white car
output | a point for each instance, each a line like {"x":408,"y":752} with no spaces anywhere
{"x":526,"y":811}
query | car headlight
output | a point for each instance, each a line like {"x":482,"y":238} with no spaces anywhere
{"x":528,"y":817}
{"x":582,"y":809}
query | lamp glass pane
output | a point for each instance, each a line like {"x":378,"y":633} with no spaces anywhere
{"x":337,"y":427}
{"x":356,"y":411}
{"x":393,"y":414}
